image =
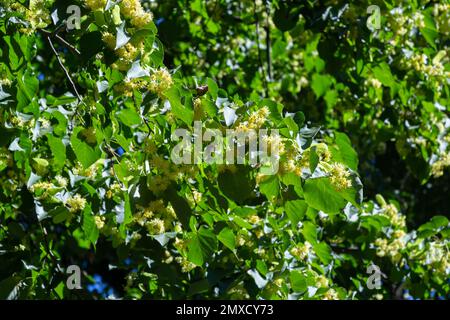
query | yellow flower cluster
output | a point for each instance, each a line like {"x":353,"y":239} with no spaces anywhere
{"x":255,"y":121}
{"x":133,"y":10}
{"x":5,"y":82}
{"x":126,"y":53}
{"x":99,"y":222}
{"x":373,"y":82}
{"x":238,"y":292}
{"x":441,"y":12}
{"x":155,"y":226}
{"x":90,"y":172}
{"x":301,"y":251}
{"x":62,"y":182}
{"x":392,"y":248}
{"x":254,"y":219}
{"x":439,"y":257}
{"x":96,"y":4}
{"x":36,"y":14}
{"x":331,"y":294}
{"x":160,"y":81}
{"x":114,"y":189}
{"x":185,"y":264}
{"x":129,"y":85}
{"x":321,"y":281}
{"x":438,"y":167}
{"x":166,"y":173}
{"x":5,"y":158}
{"x":76,"y":203}
{"x":274,"y":143}
{"x":157,"y":217}
{"x":109,"y":39}
{"x":199,"y":113}
{"x":420,"y":63}
{"x":45,"y":186}
{"x":339,"y":177}
{"x":392,"y":213}
{"x":129,"y":51}
{"x":322,"y":152}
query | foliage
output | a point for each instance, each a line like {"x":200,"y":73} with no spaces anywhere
{"x":387,"y":87}
{"x":87,"y":117}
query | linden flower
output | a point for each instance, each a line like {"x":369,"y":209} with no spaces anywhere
{"x":99,"y":222}
{"x":339,"y":177}
{"x":76,"y":203}
{"x":186,"y":265}
{"x":331,"y":294}
{"x":254,"y":219}
{"x":180,"y":244}
{"x":321,"y":282}
{"x":62,"y":182}
{"x":160,"y":81}
{"x":301,"y":251}
{"x":96,"y":4}
{"x":38,"y":15}
{"x":197,"y":196}
{"x":142,"y":19}
{"x":274,"y":143}
{"x":109,"y":39}
{"x":42,"y":185}
{"x":5,"y":82}
{"x":373,"y":82}
{"x":258,"y":118}
{"x":128,"y":52}
{"x":437,"y":168}
{"x":155,"y":226}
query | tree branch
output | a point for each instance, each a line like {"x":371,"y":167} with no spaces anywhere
{"x":268,"y":42}
{"x":64,"y":68}
{"x":261,"y":64}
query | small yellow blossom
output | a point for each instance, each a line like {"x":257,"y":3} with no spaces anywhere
{"x":76,"y":203}
{"x":339,"y":177}
{"x":99,"y":221}
{"x":331,"y":294}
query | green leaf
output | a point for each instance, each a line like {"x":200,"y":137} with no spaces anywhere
{"x":295,"y":210}
{"x":226,"y":236}
{"x":429,"y":32}
{"x":313,"y":159}
{"x":309,"y":231}
{"x":27,"y":89}
{"x":270,"y":187}
{"x":129,"y":117}
{"x":58,"y":150}
{"x":202,"y":246}
{"x":89,"y":227}
{"x":298,"y":281}
{"x":323,"y":251}
{"x":320,"y":195}
{"x":86,"y":154}
{"x":347,"y":154}
{"x":238,"y":185}
{"x":181,"y":112}
{"x":320,"y":84}
{"x":180,"y":205}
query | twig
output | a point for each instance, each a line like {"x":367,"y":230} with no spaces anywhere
{"x":261,"y":64}
{"x":64,"y":68}
{"x":268,"y":42}
{"x":70,"y":46}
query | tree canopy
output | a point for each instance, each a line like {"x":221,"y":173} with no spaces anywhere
{"x":92,"y":93}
